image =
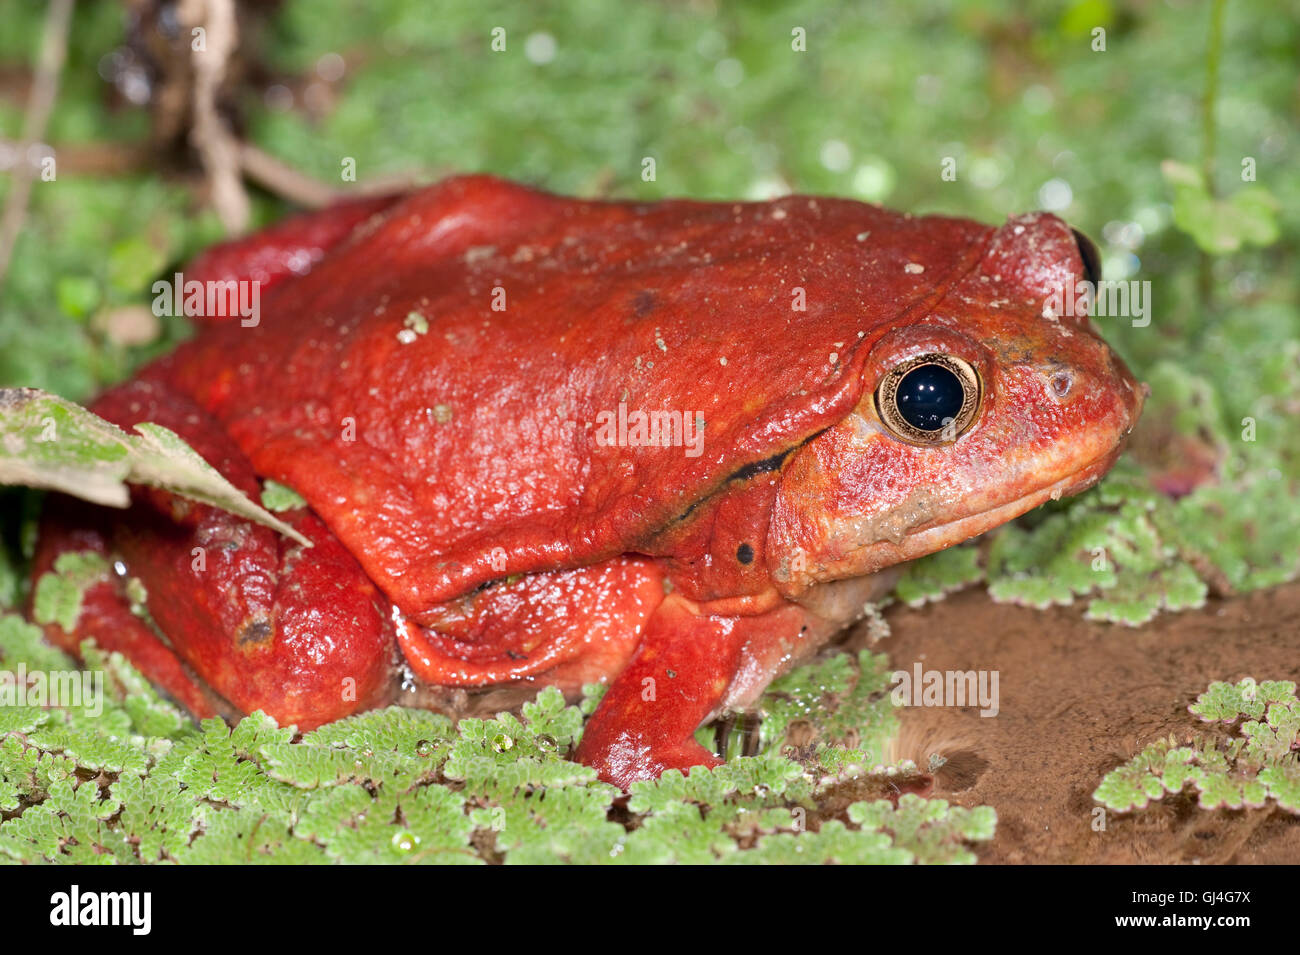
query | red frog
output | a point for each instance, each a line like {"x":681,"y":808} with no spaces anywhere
{"x":675,"y":446}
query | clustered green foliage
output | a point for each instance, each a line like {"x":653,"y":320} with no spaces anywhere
{"x":938,"y":575}
{"x":1120,"y":546}
{"x":1221,"y":226}
{"x":58,"y":595}
{"x":842,"y":701}
{"x":1257,"y":766}
{"x":140,"y":782}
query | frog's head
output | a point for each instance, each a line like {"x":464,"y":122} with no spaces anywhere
{"x":983,"y":407}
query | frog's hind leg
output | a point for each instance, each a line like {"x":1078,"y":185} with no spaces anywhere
{"x":247,"y":616}
{"x":671,"y":665}
{"x":563,"y":628}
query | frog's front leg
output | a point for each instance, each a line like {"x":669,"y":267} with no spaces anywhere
{"x":681,"y":674}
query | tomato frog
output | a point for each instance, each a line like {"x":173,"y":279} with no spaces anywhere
{"x":675,"y":446}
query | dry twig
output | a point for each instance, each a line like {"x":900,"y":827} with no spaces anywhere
{"x":217,"y":147}
{"x":45,"y":87}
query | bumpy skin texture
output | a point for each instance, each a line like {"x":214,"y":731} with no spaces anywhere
{"x":431,"y":375}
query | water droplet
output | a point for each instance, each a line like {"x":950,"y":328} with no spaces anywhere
{"x":547,"y":743}
{"x":405,"y":841}
{"x":502,"y":743}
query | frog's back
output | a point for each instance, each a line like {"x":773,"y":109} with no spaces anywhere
{"x":437,"y":384}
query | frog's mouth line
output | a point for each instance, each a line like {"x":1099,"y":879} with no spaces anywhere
{"x":942,"y":536}
{"x":874,"y":556}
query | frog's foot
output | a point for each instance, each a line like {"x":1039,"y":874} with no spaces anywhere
{"x":239,"y":613}
{"x":70,"y":526}
{"x":678,"y":677}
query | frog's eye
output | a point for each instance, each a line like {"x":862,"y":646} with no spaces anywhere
{"x":929,"y":399}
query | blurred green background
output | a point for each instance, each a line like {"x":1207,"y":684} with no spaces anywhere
{"x":1035,"y":115}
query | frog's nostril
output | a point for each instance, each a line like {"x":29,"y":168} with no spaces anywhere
{"x":1061,"y":382}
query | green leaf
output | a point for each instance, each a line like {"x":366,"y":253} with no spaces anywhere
{"x":133,"y":261}
{"x":833,"y":843}
{"x":158,"y":814}
{"x":931,"y":830}
{"x":840,"y":700}
{"x":48,"y":442}
{"x":21,"y":643}
{"x":249,"y":838}
{"x":78,"y":295}
{"x":21,"y":719}
{"x":278,"y":497}
{"x":1221,"y":226}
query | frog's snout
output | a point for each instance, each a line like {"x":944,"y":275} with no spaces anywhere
{"x":1100,"y":385}
{"x":1110,"y":402}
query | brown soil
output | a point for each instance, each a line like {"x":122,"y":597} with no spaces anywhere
{"x":1077,"y":699}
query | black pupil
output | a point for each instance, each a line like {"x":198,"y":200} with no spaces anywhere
{"x":929,"y":396}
